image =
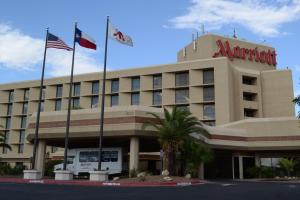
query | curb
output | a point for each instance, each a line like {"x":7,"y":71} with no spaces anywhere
{"x":95,"y":183}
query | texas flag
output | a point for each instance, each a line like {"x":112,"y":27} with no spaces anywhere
{"x":84,"y":40}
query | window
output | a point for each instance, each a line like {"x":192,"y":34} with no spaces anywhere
{"x":209,"y":112}
{"x":21,"y":141}
{"x":250,"y":112}
{"x":94,"y":101}
{"x":182,"y":79}
{"x":92,"y":156}
{"x":9,"y":109}
{"x":23,"y":122}
{"x":157,"y":81}
{"x":114,"y":101}
{"x":25,"y":108}
{"x":208,"y":94}
{"x":54,"y":149}
{"x":76,"y":89}
{"x":6,"y":139}
{"x":59,"y":91}
{"x":135,"y":98}
{"x":95,"y":87}
{"x":75,"y":103}
{"x":181,"y":96}
{"x":114,"y":85}
{"x":208,"y":76}
{"x":8,"y":123}
{"x":10,"y":96}
{"x":248,"y":80}
{"x":26,"y":94}
{"x":248,"y":96}
{"x":183,"y":107}
{"x":42,"y":106}
{"x":57,"y":104}
{"x":43,"y":93}
{"x":135,"y":83}
{"x":157,"y":98}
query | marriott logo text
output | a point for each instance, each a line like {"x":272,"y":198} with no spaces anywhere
{"x":268,"y":57}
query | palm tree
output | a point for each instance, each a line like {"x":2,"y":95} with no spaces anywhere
{"x":173,"y":130}
{"x":2,"y":140}
{"x":288,"y":165}
{"x":296,"y":100}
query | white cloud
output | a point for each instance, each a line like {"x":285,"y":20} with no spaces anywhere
{"x":262,"y":17}
{"x":23,"y":52}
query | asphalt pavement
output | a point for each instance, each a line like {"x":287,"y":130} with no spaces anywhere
{"x":214,"y":190}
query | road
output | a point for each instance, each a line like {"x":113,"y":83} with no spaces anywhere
{"x":210,"y":191}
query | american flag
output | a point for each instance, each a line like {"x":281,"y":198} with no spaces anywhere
{"x":55,"y":42}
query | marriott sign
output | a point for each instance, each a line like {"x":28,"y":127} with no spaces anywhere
{"x":268,"y":57}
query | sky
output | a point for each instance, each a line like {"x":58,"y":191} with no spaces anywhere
{"x":159,"y":28}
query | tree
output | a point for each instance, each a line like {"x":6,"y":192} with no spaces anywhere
{"x":2,"y":140}
{"x":288,"y":165}
{"x":296,"y":100}
{"x":173,"y":130}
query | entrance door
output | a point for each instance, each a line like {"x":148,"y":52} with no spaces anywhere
{"x":236,"y":167}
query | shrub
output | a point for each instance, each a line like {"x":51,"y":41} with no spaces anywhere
{"x":5,"y":169}
{"x":266,"y":172}
{"x":49,"y":167}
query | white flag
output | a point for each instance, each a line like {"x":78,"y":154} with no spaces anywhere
{"x":117,"y":35}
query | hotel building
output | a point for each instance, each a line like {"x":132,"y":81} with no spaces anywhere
{"x":231,"y":85}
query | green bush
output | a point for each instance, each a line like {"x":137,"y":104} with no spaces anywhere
{"x":266,"y":172}
{"x":49,"y":167}
{"x":254,"y":172}
{"x":6,"y":169}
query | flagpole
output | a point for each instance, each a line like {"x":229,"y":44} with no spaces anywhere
{"x":103,"y":99}
{"x":37,"y":124}
{"x":69,"y":104}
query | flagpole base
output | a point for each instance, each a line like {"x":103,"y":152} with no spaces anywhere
{"x":63,"y":175}
{"x":32,"y":174}
{"x":98,"y":176}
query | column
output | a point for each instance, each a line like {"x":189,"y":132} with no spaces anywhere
{"x":40,"y":157}
{"x":134,"y":153}
{"x":201,"y":171}
{"x":257,"y":161}
{"x":241,"y":167}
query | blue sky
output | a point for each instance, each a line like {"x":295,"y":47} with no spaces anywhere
{"x":159,"y":29}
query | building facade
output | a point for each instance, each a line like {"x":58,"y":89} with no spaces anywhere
{"x":231,"y":85}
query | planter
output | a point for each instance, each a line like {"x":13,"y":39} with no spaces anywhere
{"x":32,"y":174}
{"x":98,"y":176}
{"x":63,"y":175}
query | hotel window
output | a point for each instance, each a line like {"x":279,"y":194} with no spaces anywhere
{"x":181,"y":79}
{"x":208,"y":94}
{"x":135,"y":98}
{"x":59,"y":91}
{"x":181,"y":96}
{"x":8,"y":123}
{"x":75,"y":103}
{"x":183,"y":107}
{"x":23,"y":122}
{"x":114,"y":100}
{"x":26,"y":94}
{"x":248,"y":80}
{"x":135,"y":83}
{"x":25,"y":108}
{"x":157,"y":98}
{"x":57,"y":105}
{"x":250,"y":112}
{"x":9,"y":109}
{"x":248,"y":96}
{"x":209,"y":112}
{"x":208,"y":76}
{"x":157,"y":81}
{"x":94,"y":101}
{"x":10,"y":96}
{"x":42,"y":106}
{"x":6,"y":138}
{"x":76,"y":89}
{"x":95,"y":87}
{"x":114,"y":85}
{"x":43,"y":93}
{"x":21,"y":141}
